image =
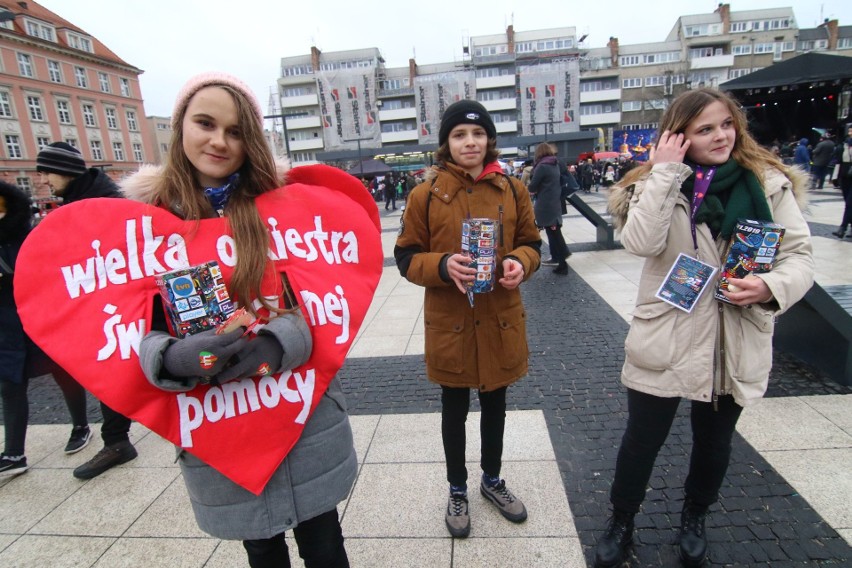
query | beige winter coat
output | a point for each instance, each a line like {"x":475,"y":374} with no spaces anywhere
{"x":669,"y":352}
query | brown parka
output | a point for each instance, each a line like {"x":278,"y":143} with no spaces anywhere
{"x":484,"y":347}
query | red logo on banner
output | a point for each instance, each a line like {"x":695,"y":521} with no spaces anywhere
{"x":88,"y":303}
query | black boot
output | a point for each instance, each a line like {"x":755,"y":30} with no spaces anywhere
{"x":561,"y":268}
{"x":840,"y":232}
{"x":693,"y":538}
{"x":612,"y":545}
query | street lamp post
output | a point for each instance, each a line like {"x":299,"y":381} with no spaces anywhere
{"x":284,"y":118}
{"x":360,"y":161}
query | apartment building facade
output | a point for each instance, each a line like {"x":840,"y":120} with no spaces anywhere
{"x":58,"y":83}
{"x":542,"y":83}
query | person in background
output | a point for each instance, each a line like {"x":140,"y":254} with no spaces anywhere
{"x":390,"y":191}
{"x":587,"y":175}
{"x":706,"y":173}
{"x":546,"y":188}
{"x":823,"y":152}
{"x":479,"y":343}
{"x":15,"y":223}
{"x":218,"y":164}
{"x":61,"y":166}
{"x":802,"y":155}
{"x":845,"y":176}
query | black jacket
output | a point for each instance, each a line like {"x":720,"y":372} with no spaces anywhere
{"x":93,"y":183}
{"x":14,"y":228}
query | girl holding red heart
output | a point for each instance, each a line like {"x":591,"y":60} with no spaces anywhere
{"x":218,"y":164}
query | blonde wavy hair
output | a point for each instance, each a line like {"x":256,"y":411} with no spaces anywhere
{"x":180,"y":192}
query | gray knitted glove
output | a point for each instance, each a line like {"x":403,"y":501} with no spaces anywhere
{"x":203,"y":354}
{"x":261,"y":356}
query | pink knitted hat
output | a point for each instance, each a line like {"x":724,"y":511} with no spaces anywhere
{"x":202,"y":80}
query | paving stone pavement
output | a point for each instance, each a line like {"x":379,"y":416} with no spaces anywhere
{"x":576,"y":354}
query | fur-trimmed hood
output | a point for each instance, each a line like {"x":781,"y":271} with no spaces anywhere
{"x":142,"y":185}
{"x":794,"y":178}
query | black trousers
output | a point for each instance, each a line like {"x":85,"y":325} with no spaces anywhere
{"x":320,"y":542}
{"x":455,"y":404}
{"x":846,"y":189}
{"x":116,"y":427}
{"x":556,"y":242}
{"x":16,"y":406}
{"x":649,"y":421}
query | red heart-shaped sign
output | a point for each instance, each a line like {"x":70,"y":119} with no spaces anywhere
{"x":85,"y":283}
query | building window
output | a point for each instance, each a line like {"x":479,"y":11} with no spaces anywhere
{"x":764,"y":47}
{"x":628,"y":60}
{"x":5,"y":105}
{"x":844,"y":43}
{"x":13,"y":147}
{"x":25,"y":65}
{"x":655,"y":104}
{"x":627,"y":106}
{"x":164,"y":147}
{"x":112,"y":121}
{"x":651,"y":125}
{"x":631,"y":127}
{"x":655,"y":81}
{"x":34,"y":105}
{"x":42,"y":142}
{"x":80,"y":76}
{"x":124,"y":84}
{"x":744,"y":49}
{"x":71,"y":142}
{"x":631,"y":83}
{"x":89,"y":115}
{"x":79,"y":42}
{"x":97,"y":150}
{"x":103,"y":79}
{"x":8,"y":24}
{"x":601,"y":85}
{"x":740,"y":27}
{"x":137,"y":152}
{"x":63,"y":110}
{"x":734,"y":73}
{"x":118,"y":151}
{"x":43,"y":31}
{"x":54,"y":71}
{"x":131,"y":120}
{"x":25,"y":184}
{"x":603,"y":108}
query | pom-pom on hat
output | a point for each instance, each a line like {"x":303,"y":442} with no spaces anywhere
{"x":61,"y":158}
{"x":202,"y":80}
{"x":465,"y":112}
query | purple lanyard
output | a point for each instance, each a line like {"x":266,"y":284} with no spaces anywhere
{"x":699,"y":190}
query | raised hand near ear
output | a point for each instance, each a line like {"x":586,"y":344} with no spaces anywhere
{"x":670,"y":148}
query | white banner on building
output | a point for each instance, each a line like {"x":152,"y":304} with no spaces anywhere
{"x":550,"y":98}
{"x":348,"y":107}
{"x":433,"y":94}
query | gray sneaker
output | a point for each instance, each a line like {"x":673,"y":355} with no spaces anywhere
{"x":458,"y":517}
{"x":509,"y":506}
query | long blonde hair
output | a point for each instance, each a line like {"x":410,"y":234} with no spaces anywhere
{"x":687,"y":106}
{"x":180,"y":192}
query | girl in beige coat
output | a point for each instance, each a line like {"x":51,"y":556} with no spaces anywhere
{"x":718,"y":355}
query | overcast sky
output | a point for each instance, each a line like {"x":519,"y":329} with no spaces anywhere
{"x":171,"y":40}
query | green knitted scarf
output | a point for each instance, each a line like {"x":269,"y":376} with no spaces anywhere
{"x":735,"y":193}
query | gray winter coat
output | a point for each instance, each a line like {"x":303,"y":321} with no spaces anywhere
{"x":316,"y":475}
{"x":545,"y":185}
